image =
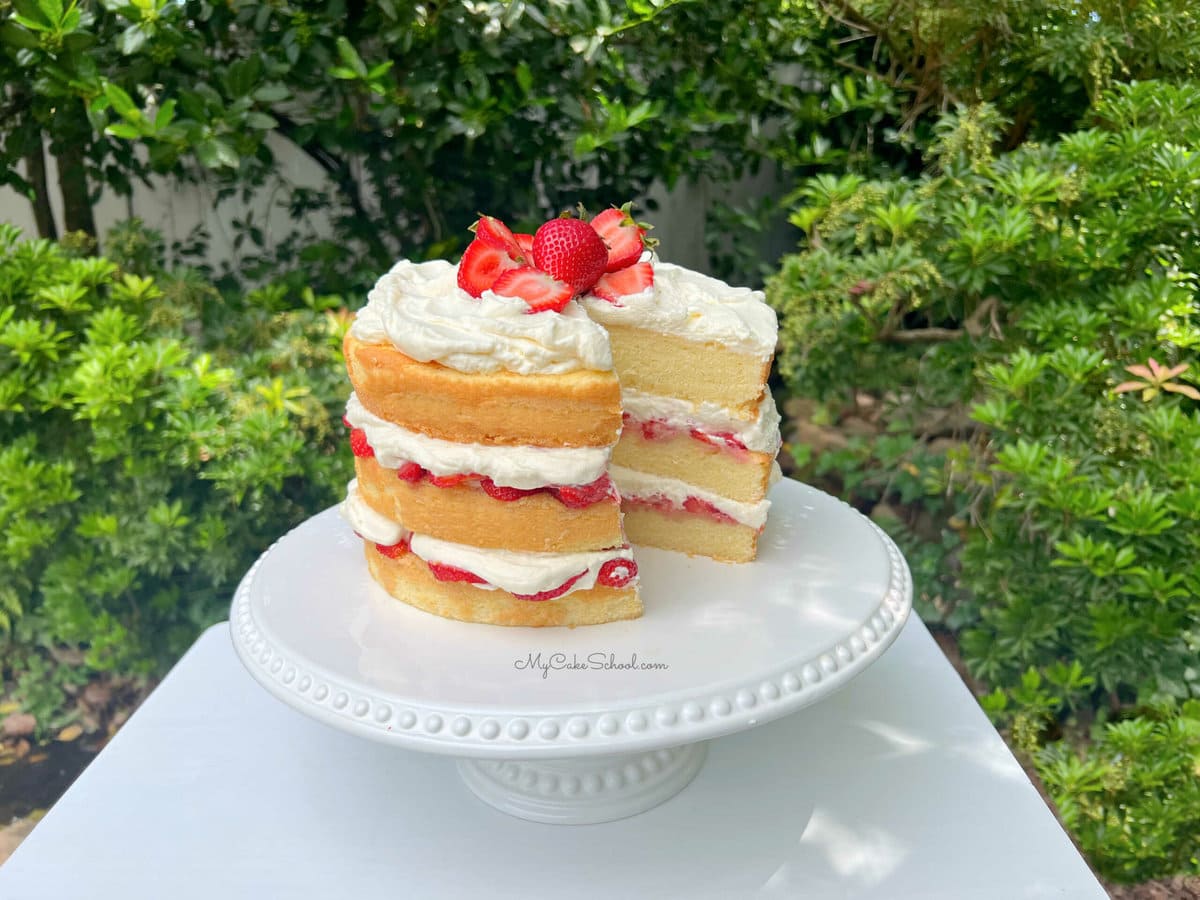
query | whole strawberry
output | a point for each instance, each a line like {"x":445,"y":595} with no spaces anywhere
{"x":570,"y":251}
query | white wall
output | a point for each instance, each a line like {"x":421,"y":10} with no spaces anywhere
{"x":175,"y":209}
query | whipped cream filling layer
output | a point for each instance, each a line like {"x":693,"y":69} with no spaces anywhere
{"x":518,"y":467}
{"x":761,"y":435}
{"x":695,"y":307}
{"x":368,"y":523}
{"x":512,"y":571}
{"x":422,"y":311}
{"x":633,"y":485}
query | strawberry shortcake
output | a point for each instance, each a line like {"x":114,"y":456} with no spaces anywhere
{"x":519,"y":418}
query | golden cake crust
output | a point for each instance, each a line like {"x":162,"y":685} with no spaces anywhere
{"x":575,"y":409}
{"x":407,"y":578}
{"x":466,"y":515}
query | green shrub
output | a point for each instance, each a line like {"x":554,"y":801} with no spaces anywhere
{"x":419,"y":115}
{"x":1132,"y":799}
{"x":141,"y":468}
{"x":1026,"y":326}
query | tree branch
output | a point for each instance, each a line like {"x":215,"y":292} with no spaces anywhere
{"x":923,"y":335}
{"x":35,"y":170}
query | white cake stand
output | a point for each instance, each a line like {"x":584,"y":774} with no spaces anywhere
{"x":587,"y":724}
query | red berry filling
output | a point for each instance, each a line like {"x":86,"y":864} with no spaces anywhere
{"x":719,"y":438}
{"x":443,"y":572}
{"x":444,"y":481}
{"x":554,"y":592}
{"x":410,"y":471}
{"x":661,"y":430}
{"x":617,"y":573}
{"x":359,"y":444}
{"x":703,"y":508}
{"x":690,"y":504}
{"x":578,"y":496}
{"x":503,"y":492}
{"x":392,"y":551}
{"x":575,"y":496}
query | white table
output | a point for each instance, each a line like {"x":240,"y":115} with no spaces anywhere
{"x":895,"y":787}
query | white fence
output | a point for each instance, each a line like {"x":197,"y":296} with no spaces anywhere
{"x":176,"y":209}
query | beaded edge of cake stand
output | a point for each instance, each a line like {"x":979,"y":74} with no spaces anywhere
{"x":632,"y":728}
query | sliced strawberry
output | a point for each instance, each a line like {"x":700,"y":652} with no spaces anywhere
{"x":481,"y":265}
{"x":656,"y":430}
{"x":630,"y":280}
{"x":359,"y":444}
{"x":393,"y":551}
{"x":536,"y":288}
{"x":503,"y":492}
{"x":496,"y":234}
{"x":445,"y":481}
{"x":578,"y":496}
{"x":622,"y":235}
{"x":525,"y":242}
{"x":703,"y":508}
{"x":346,"y":421}
{"x":617,"y":573}
{"x":554,"y":592}
{"x":653,"y":501}
{"x":443,"y":572}
{"x":410,"y":471}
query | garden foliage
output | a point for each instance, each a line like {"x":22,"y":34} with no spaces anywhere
{"x":156,"y":437}
{"x":1030,"y":322}
{"x":418,"y":114}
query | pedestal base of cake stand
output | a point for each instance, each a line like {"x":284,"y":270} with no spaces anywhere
{"x":584,"y":791}
{"x":589,"y":724}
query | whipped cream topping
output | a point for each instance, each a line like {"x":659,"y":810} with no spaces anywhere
{"x":509,"y":570}
{"x":633,"y":484}
{"x":518,"y":467}
{"x":761,"y":435}
{"x":695,"y":307}
{"x":421,"y":310}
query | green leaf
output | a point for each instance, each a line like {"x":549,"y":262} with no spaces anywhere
{"x":122,"y":102}
{"x":380,"y":70}
{"x":51,"y":10}
{"x":214,"y":153}
{"x":261,"y":121}
{"x":350,"y":57}
{"x":32,"y":24}
{"x":272,"y":92}
{"x":15,"y":36}
{"x":124,"y":130}
{"x":241,"y":76}
{"x":524,"y":77}
{"x":165,"y":114}
{"x":132,"y":39}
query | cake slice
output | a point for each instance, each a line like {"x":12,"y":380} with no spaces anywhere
{"x":700,"y":429}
